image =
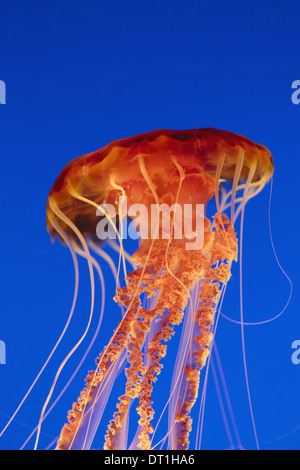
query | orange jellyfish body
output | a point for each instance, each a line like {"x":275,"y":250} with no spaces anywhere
{"x":174,"y":168}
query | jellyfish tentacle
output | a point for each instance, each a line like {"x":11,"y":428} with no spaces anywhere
{"x":101,"y":277}
{"x":236,"y":178}
{"x":75,"y":293}
{"x":217,"y":273}
{"x":156,"y":350}
{"x":136,"y":373}
{"x":112,"y":352}
{"x":116,"y":186}
{"x":60,"y":215}
{"x":245,"y":196}
{"x":183,"y":350}
{"x":173,"y":300}
{"x":217,"y":179}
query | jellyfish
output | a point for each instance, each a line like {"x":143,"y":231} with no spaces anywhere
{"x":162,"y":182}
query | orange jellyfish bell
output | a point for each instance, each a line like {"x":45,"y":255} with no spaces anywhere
{"x":182,"y":268}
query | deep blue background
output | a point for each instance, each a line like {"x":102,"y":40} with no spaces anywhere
{"x":80,"y":74}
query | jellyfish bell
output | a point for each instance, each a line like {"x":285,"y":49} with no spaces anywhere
{"x":171,"y":169}
{"x":207,"y":155}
